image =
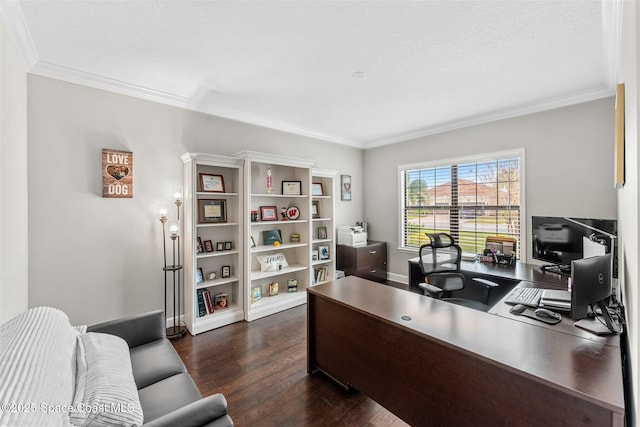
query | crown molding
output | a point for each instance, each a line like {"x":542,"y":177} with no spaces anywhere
{"x":13,"y":18}
{"x":523,"y":110}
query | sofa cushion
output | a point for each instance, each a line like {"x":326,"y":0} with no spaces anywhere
{"x":154,"y":361}
{"x":106,"y":394}
{"x":167,"y":395}
{"x":37,"y":367}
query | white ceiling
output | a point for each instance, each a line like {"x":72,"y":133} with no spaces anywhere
{"x":427,"y":66}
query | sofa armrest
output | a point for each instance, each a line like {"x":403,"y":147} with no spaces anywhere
{"x":135,"y":330}
{"x":198,"y":413}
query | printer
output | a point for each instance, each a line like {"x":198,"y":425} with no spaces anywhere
{"x":352,"y":235}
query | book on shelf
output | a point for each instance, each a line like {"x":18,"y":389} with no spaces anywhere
{"x":208,"y":301}
{"x":202,"y":307}
{"x":320,"y":274}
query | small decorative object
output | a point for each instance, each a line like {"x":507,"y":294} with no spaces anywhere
{"x":292,"y":285}
{"x":117,"y":174}
{"x":317,"y":189}
{"x":273,"y":289}
{"x":272,"y":262}
{"x":199,"y":246}
{"x":212,"y":183}
{"x":199,"y":275}
{"x":221,"y":301}
{"x":292,"y":212}
{"x":254,"y":216}
{"x":315,"y":209}
{"x":255,"y":295}
{"x":213,"y":275}
{"x":283,"y":214}
{"x":228,"y":246}
{"x":269,"y":237}
{"x":294,"y":237}
{"x":269,"y":181}
{"x":276,"y":243}
{"x":314,"y":255}
{"x":291,"y":188}
{"x":226,"y":271}
{"x":322,"y":232}
{"x":253,"y":242}
{"x":208,"y":246}
{"x":220,"y":246}
{"x":345,"y":187}
{"x":324,"y":252}
{"x":269,"y":213}
{"x":212,"y":210}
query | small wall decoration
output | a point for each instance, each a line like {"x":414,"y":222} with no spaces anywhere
{"x":345,"y":187}
{"x":117,"y":174}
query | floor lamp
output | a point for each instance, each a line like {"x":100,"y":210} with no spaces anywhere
{"x":173,"y":270}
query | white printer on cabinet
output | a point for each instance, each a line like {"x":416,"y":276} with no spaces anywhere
{"x":352,"y":235}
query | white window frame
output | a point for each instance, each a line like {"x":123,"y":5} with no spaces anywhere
{"x":519,"y":153}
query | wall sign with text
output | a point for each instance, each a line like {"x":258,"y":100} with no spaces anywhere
{"x":117,"y":174}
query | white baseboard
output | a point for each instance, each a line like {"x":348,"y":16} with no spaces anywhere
{"x":400,"y":278}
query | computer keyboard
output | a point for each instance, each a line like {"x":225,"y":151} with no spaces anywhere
{"x":525,"y":296}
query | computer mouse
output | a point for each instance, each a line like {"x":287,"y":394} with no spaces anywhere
{"x":547,"y":314}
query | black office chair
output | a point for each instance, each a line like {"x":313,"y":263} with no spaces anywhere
{"x":440,"y":264}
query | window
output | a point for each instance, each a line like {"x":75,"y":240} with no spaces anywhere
{"x":470,"y":199}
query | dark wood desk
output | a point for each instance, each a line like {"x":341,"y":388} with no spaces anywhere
{"x":450,"y":365}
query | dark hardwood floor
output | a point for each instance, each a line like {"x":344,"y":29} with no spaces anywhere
{"x":261,"y":369}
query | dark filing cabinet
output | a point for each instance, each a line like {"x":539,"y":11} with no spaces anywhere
{"x":368,"y":262}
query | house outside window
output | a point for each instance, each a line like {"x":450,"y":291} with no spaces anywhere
{"x":469,"y":198}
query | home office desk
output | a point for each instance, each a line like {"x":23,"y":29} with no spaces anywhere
{"x":434,"y":363}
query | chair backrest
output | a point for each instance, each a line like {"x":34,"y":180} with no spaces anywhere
{"x":440,"y":255}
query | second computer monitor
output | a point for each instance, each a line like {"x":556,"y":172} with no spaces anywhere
{"x":591,"y":283}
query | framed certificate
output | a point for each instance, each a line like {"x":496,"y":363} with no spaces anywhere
{"x":292,"y":188}
{"x":212,"y":183}
{"x":212,"y":210}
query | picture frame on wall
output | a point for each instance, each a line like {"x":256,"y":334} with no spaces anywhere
{"x":269,"y":213}
{"x":211,"y":183}
{"x":212,"y":210}
{"x":345,"y":187}
{"x":317,"y":189}
{"x":292,"y":188}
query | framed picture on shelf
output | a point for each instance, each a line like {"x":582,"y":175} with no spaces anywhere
{"x":292,"y":188}
{"x":324,"y":252}
{"x":345,"y":187}
{"x":292,"y":285}
{"x":226,"y":271}
{"x":315,"y":209}
{"x":269,"y":237}
{"x":212,"y":210}
{"x":317,"y":189}
{"x":253,"y":242}
{"x":255,"y":295}
{"x":221,"y":301}
{"x":269,"y":213}
{"x":199,"y":275}
{"x":220,"y":246}
{"x":208,"y":246}
{"x":199,"y":249}
{"x":314,"y":255}
{"x":322,"y":232}
{"x":212,"y":183}
{"x":273,"y":289}
{"x":228,"y":246}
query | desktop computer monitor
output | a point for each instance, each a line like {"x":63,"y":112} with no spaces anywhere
{"x":591,"y":287}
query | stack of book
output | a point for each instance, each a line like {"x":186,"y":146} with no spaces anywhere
{"x":556,"y":300}
{"x":320,"y":274}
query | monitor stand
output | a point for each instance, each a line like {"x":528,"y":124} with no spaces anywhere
{"x":595,"y":325}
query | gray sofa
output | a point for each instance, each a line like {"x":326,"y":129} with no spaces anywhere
{"x":118,"y":373}
{"x":168,"y":395}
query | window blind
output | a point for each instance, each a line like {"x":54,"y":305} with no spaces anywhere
{"x":469,"y":200}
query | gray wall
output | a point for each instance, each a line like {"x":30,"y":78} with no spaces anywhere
{"x":568,"y":167}
{"x":14,"y":273}
{"x":98,"y":258}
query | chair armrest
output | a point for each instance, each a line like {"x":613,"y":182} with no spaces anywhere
{"x":198,"y":413}
{"x":485,"y":282}
{"x":135,"y":330}
{"x":431,"y":290}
